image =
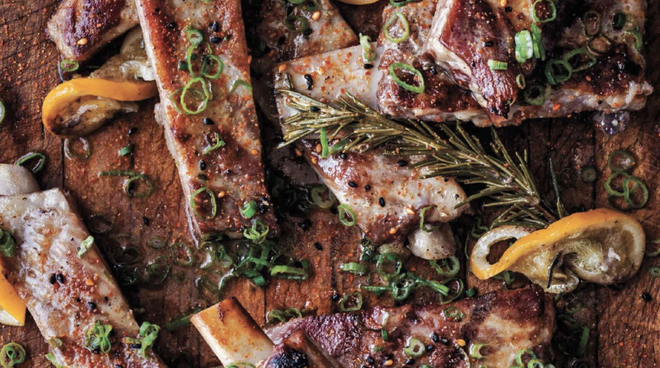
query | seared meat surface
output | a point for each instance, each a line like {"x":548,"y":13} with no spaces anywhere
{"x":504,"y":322}
{"x":80,"y":27}
{"x":67,"y":291}
{"x":215,"y":137}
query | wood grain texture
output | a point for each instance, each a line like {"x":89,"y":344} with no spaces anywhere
{"x":624,"y":328}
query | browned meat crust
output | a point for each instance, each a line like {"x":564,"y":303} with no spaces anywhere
{"x":507,"y":322}
{"x":80,"y":27}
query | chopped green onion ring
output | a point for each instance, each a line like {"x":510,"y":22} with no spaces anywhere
{"x":68,"y":66}
{"x":553,"y":15}
{"x":355,"y":297}
{"x":257,"y":233}
{"x":589,"y":174}
{"x":591,"y":59}
{"x":536,"y":94}
{"x":181,"y":254}
{"x":354,"y":267}
{"x":408,"y":68}
{"x":296,"y":23}
{"x":415,"y":348}
{"x":98,"y":338}
{"x":385,"y":259}
{"x":214,"y":143}
{"x":521,"y":81}
{"x":475,"y":351}
{"x":202,"y":106}
{"x":7,"y":244}
{"x":422,"y":225}
{"x":654,"y":271}
{"x":497,"y":65}
{"x":591,"y":21}
{"x":11,"y":355}
{"x":627,"y":192}
{"x":249,"y":209}
{"x":345,"y":211}
{"x":240,"y":82}
{"x":368,"y":49}
{"x":524,"y":46}
{"x":148,"y":335}
{"x":608,"y":183}
{"x":558,"y":71}
{"x":86,"y":145}
{"x":393,"y":19}
{"x":85,"y":245}
{"x":3,"y":112}
{"x":206,"y":62}
{"x":453,"y":314}
{"x":194,"y":36}
{"x":448,"y":267}
{"x":317,"y":193}
{"x":30,"y":156}
{"x":193,"y":203}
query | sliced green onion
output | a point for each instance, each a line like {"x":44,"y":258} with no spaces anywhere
{"x":86,"y":145}
{"x":203,"y":104}
{"x":591,"y":21}
{"x":181,"y":254}
{"x":29,"y":157}
{"x":573,"y":306}
{"x":627,"y":192}
{"x":524,"y":46}
{"x":475,"y":351}
{"x":537,"y":39}
{"x":410,"y":69}
{"x":156,"y":272}
{"x":183,"y":65}
{"x":497,"y":65}
{"x":126,"y":150}
{"x":536,"y":94}
{"x":130,"y":183}
{"x":193,"y":203}
{"x":398,"y":3}
{"x":453,"y":314}
{"x":207,"y":62}
{"x":257,"y":233}
{"x":422,"y":225}
{"x":214,"y":143}
{"x":98,"y":338}
{"x":654,"y":271}
{"x":656,"y":252}
{"x":325,"y":151}
{"x":157,"y":243}
{"x":354,"y":267}
{"x":368,"y":49}
{"x":148,"y":335}
{"x":637,"y":41}
{"x":249,"y":209}
{"x":553,"y":15}
{"x":521,"y":81}
{"x":354,"y":297}
{"x":581,"y":64}
{"x":619,"y":21}
{"x":7,"y":244}
{"x":296,"y":23}
{"x":470,"y":292}
{"x":535,"y":363}
{"x":309,"y":5}
{"x":85,"y":245}
{"x":238,"y":83}
{"x":180,"y":322}
{"x":448,"y":267}
{"x":589,"y":174}
{"x":558,"y":71}
{"x":415,"y":348}
{"x":3,"y":112}
{"x":51,"y":358}
{"x":68,"y":66}
{"x":584,"y":339}
{"x":290,"y":272}
{"x":621,"y":160}
{"x":608,"y":183}
{"x":521,"y":353}
{"x":194,"y":36}
{"x":317,"y":193}
{"x":444,"y":291}
{"x":389,"y":259}
{"x":393,"y":19}
{"x":346,"y":215}
{"x":11,"y":355}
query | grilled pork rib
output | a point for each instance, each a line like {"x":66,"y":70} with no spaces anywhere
{"x":231,"y":170}
{"x":80,"y":27}
{"x":66,"y":293}
{"x":505,"y":323}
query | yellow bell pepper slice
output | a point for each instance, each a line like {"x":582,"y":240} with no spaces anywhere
{"x":68,"y":92}
{"x":601,"y":246}
{"x":12,"y":309}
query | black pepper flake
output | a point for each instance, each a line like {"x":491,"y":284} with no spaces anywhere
{"x":135,"y":346}
{"x":435,"y":337}
{"x":367,"y":187}
{"x":306,"y":224}
{"x":208,"y":121}
{"x":368,"y":66}
{"x":91,"y":305}
{"x":370,"y":360}
{"x":402,"y":163}
{"x":307,"y":32}
{"x":352,"y":184}
{"x":444,"y":341}
{"x":430,"y":347}
{"x":335,"y":297}
{"x":132,"y":131}
{"x":52,"y":279}
{"x":381,"y":201}
{"x":410,"y":361}
{"x":60,"y":278}
{"x":489,"y":44}
{"x":314,"y":109}
{"x":215,"y":39}
{"x":342,"y":156}
{"x":146,"y":220}
{"x":170,"y":25}
{"x":215,"y":26}
{"x":202,"y":165}
{"x":647,"y":297}
{"x":318,"y":246}
{"x":508,"y":9}
{"x":309,"y":81}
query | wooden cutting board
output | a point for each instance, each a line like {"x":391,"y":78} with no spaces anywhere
{"x":624,"y":328}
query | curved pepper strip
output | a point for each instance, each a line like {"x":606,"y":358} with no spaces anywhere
{"x":68,"y":92}
{"x":565,"y":228}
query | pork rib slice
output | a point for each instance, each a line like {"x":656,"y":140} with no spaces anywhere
{"x":233,"y":172}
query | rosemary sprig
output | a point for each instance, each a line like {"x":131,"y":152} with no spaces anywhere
{"x":451,"y":152}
